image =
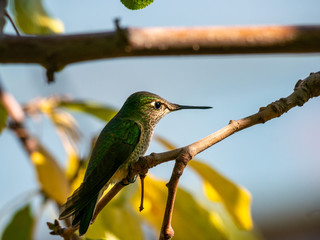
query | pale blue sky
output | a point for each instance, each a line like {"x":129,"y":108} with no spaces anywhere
{"x":278,"y":162}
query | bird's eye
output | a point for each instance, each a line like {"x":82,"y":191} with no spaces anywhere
{"x":157,"y":105}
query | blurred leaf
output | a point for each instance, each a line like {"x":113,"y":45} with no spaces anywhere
{"x":66,"y":127}
{"x":32,"y":18}
{"x":50,"y":175}
{"x":210,"y":192}
{"x":237,"y":200}
{"x":190,"y":219}
{"x":3,"y":117}
{"x":20,"y":226}
{"x":118,"y":220}
{"x":168,"y":145}
{"x":136,"y":4}
{"x":100,"y":111}
{"x":79,"y":178}
{"x":73,"y":163}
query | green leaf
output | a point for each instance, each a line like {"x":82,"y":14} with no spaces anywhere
{"x":136,"y":4}
{"x":20,"y":226}
{"x":102,"y":112}
{"x":3,"y":117}
{"x":32,"y":18}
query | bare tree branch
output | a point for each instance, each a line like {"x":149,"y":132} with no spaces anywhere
{"x":54,"y":52}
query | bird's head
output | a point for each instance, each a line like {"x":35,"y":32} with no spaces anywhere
{"x":151,"y":107}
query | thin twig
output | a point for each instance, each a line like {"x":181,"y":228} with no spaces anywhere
{"x":12,"y":22}
{"x":66,"y":233}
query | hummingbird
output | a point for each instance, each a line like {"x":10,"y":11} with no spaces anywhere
{"x":122,"y":141}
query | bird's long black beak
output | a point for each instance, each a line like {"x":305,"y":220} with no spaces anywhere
{"x":175,"y":107}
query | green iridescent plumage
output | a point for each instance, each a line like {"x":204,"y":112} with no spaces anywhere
{"x":122,"y":141}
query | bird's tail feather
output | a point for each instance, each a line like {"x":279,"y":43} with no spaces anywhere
{"x":81,"y":209}
{"x":84,"y":216}
{"x":70,"y":207}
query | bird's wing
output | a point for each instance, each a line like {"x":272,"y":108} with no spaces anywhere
{"x":113,"y":147}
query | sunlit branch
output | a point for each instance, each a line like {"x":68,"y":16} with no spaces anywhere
{"x":55,"y":52}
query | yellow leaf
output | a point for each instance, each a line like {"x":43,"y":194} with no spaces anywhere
{"x":50,"y":175}
{"x":32,"y":18}
{"x":237,"y":200}
{"x":210,"y":192}
{"x":217,"y":221}
{"x":72,"y":163}
{"x":217,"y":188}
{"x":190,"y":219}
{"x":78,"y":180}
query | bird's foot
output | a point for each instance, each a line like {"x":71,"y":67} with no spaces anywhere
{"x":129,"y":177}
{"x":132,"y":180}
